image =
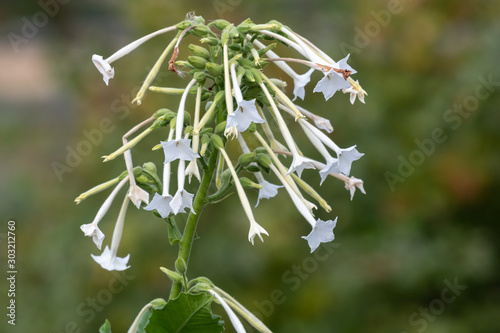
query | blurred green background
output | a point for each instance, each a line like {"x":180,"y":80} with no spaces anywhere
{"x":397,"y":249}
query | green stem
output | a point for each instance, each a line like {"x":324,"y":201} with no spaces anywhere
{"x":192,"y":221}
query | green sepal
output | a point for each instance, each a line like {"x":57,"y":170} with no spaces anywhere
{"x":199,"y":51}
{"x":174,"y":234}
{"x":220,"y":128}
{"x":106,"y":327}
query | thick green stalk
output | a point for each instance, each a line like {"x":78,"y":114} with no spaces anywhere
{"x":190,"y":228}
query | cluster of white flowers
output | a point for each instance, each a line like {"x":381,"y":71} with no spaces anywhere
{"x":228,"y":71}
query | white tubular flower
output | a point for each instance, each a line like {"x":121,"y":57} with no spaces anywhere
{"x":322,"y":233}
{"x":192,"y":168}
{"x":162,"y":202}
{"x":299,"y":163}
{"x":104,"y":65}
{"x":335,"y":79}
{"x":238,"y":326}
{"x":92,"y":229}
{"x":320,"y":122}
{"x":135,"y":193}
{"x":108,"y":259}
{"x":182,"y":198}
{"x":255,"y":228}
{"x":299,"y":81}
{"x":245,"y":112}
{"x":345,"y":155}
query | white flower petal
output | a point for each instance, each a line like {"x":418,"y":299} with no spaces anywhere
{"x":299,"y":82}
{"x":256,"y":229}
{"x":182,"y":200}
{"x":322,"y":232}
{"x":178,"y":149}
{"x":351,"y":185}
{"x":243,"y":116}
{"x":138,"y":195}
{"x":104,"y":68}
{"x":161,"y":204}
{"x":92,"y":230}
{"x":332,"y":166}
{"x":346,"y":157}
{"x":267,"y":191}
{"x":110,"y":261}
{"x":300,"y":163}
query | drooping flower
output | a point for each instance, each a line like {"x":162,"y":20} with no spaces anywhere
{"x":92,"y":229}
{"x":351,"y":185}
{"x":104,"y":65}
{"x":182,"y":198}
{"x":322,"y":232}
{"x":238,"y":326}
{"x":355,"y":91}
{"x":255,"y":228}
{"x":178,"y":149}
{"x":108,"y":259}
{"x":335,"y":79}
{"x":245,"y":112}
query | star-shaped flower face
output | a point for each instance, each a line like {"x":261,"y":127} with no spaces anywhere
{"x":92,"y":230}
{"x":108,"y":260}
{"x":300,"y":163}
{"x":182,"y":200}
{"x":359,"y":92}
{"x":322,"y":233}
{"x":335,"y":79}
{"x":332,"y":165}
{"x":161,"y":204}
{"x":267,"y":191}
{"x":104,"y":68}
{"x":299,"y":82}
{"x":243,"y":116}
{"x":178,"y":149}
{"x":346,"y":157}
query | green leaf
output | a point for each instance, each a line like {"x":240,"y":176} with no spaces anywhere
{"x":174,"y":234}
{"x":106,"y":327}
{"x":185,"y":314}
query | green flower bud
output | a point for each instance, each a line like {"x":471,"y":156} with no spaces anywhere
{"x":200,"y":30}
{"x":210,"y":41}
{"x":197,"y":62}
{"x":182,"y":63}
{"x":158,"y":303}
{"x":205,"y":140}
{"x":246,"y":159}
{"x":150,"y":167}
{"x":188,"y":129}
{"x":267,"y":48}
{"x":244,"y":27}
{"x":142,"y":179}
{"x":220,"y":24}
{"x":249,"y":76}
{"x":217,"y":141}
{"x":214,"y":69}
{"x":220,"y":128}
{"x":253,"y":168}
{"x":235,"y":47}
{"x":174,"y":276}
{"x":137,"y":171}
{"x":180,"y":266}
{"x":200,"y":76}
{"x":159,"y":123}
{"x":206,"y":131}
{"x":247,"y":183}
{"x":264,"y":161}
{"x":260,"y":150}
{"x":184,"y":24}
{"x":225,"y":176}
{"x":161,"y":112}
{"x":256,"y":74}
{"x":199,"y":51}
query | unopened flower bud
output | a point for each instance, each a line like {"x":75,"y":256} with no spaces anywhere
{"x":264,"y":161}
{"x":197,"y":62}
{"x":253,"y":168}
{"x":217,"y":141}
{"x":149,"y":167}
{"x":188,"y":129}
{"x":200,"y":30}
{"x":158,"y":303}
{"x":180,"y":266}
{"x":220,"y":24}
{"x":214,"y":69}
{"x":182,"y":63}
{"x":252,"y":127}
{"x":200,"y":76}
{"x":184,"y":24}
{"x":247,"y":183}
{"x":219,"y":129}
{"x":174,"y":276}
{"x":246,"y":159}
{"x":199,"y":51}
{"x":210,"y":41}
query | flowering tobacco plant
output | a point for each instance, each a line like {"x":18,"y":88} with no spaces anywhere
{"x":234,"y":101}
